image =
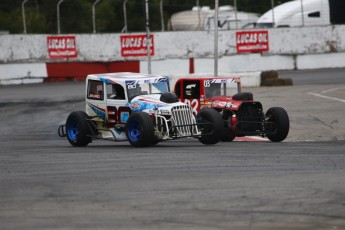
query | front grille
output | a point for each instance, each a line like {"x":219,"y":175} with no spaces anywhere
{"x":250,"y":118}
{"x":183,"y":121}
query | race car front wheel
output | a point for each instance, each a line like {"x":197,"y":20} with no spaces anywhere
{"x":280,"y":118}
{"x":77,"y":129}
{"x":140,"y":130}
{"x":228,"y":134}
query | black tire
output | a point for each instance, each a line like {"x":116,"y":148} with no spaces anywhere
{"x":169,"y":97}
{"x":228,"y":134}
{"x":155,"y":141}
{"x":140,"y":130}
{"x":214,"y":131}
{"x":77,"y":129}
{"x":244,"y":96}
{"x":280,"y":118}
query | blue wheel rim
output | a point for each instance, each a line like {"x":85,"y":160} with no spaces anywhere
{"x":72,"y":130}
{"x":134,"y":131}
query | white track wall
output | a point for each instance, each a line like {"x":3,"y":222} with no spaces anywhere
{"x":289,"y":48}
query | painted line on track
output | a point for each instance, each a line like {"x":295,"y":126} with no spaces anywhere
{"x":330,"y":90}
{"x":255,"y":138}
{"x":326,"y":97}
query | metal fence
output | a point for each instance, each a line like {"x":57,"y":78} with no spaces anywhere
{"x":297,"y":13}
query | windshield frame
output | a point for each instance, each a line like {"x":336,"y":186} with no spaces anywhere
{"x":221,"y":87}
{"x":147,"y":86}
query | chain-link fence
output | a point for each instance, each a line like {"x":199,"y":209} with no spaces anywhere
{"x":100,"y":16}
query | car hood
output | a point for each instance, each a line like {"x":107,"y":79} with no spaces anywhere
{"x":222,"y":102}
{"x":149,"y":102}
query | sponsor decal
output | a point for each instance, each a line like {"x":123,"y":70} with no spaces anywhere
{"x":97,"y":110}
{"x":222,"y":104}
{"x":140,"y":105}
{"x":163,"y":79}
{"x":252,"y":41}
{"x":136,"y":45}
{"x":228,"y":105}
{"x":205,"y":106}
{"x":124,"y":117}
{"x":215,"y":103}
{"x":95,"y":96}
{"x":165,"y":112}
{"x":135,"y":106}
{"x":152,"y":100}
{"x":62,"y":46}
{"x":130,"y":83}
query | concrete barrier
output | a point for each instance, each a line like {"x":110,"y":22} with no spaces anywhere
{"x":27,"y":58}
{"x":22,"y":73}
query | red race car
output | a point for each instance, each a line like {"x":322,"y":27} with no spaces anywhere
{"x":241,"y":114}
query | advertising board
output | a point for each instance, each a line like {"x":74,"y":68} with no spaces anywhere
{"x":62,"y":46}
{"x":136,"y":45}
{"x":252,"y":41}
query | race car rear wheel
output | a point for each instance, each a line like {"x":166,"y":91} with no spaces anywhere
{"x":77,"y":128}
{"x":280,"y":118}
{"x":213,"y":131}
{"x":140,"y":130}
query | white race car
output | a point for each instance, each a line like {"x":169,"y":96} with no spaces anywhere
{"x":138,"y":108}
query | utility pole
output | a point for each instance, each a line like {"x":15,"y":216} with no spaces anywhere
{"x":148,"y":39}
{"x":94,"y":15}
{"x":272,"y":6}
{"x":216,"y":38}
{"x":236,"y":19}
{"x":199,"y":18}
{"x":302,"y":10}
{"x":23,"y":12}
{"x":162,"y":15}
{"x":58,"y":16}
{"x":125,"y":28}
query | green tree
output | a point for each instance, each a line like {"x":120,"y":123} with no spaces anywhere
{"x":76,"y":15}
{"x":108,"y":16}
{"x":10,"y":16}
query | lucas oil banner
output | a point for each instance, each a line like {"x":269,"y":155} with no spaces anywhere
{"x":252,"y":41}
{"x":62,"y":46}
{"x":136,"y":45}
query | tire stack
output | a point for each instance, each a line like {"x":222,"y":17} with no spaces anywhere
{"x":271,"y":78}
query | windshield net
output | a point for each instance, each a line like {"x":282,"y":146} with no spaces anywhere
{"x":220,"y":87}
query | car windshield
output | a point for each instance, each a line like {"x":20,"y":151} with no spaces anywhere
{"x":147,"y":86}
{"x":221,"y":87}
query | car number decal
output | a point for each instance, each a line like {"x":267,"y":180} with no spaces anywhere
{"x":194,"y":103}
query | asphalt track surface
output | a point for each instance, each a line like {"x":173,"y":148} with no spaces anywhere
{"x":297,"y":184}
